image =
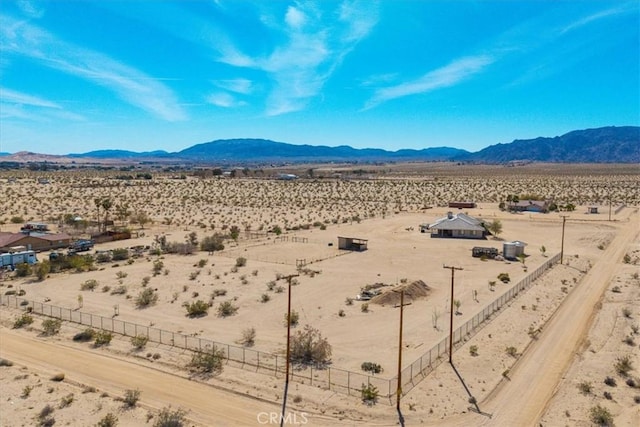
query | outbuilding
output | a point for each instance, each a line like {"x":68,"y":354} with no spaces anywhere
{"x":352,"y":244}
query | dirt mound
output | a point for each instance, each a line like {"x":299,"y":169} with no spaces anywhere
{"x":412,"y":292}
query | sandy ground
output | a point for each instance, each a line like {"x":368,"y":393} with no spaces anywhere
{"x":566,"y":295}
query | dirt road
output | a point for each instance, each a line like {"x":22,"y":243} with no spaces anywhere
{"x":522,"y":401}
{"x":205,"y":405}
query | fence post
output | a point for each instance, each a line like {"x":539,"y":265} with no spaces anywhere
{"x":349,"y":383}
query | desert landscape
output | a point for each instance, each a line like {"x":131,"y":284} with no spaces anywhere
{"x":538,"y":341}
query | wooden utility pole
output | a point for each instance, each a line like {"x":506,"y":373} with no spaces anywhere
{"x":564,"y":220}
{"x":399,"y":389}
{"x":287,"y":362}
{"x":453,"y":269}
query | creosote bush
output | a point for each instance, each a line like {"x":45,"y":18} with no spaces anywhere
{"x":85,"y":336}
{"x":369,"y":394}
{"x":169,"y":418}
{"x":248,"y":337}
{"x":374,"y":368}
{"x":207,"y":361}
{"x":139,"y":341}
{"x":146,"y":297}
{"x":197,"y":308}
{"x":226,"y":308}
{"x":309,"y":347}
{"x":108,"y":420}
{"x":295,"y":317}
{"x":601,"y":416}
{"x":23,"y":320}
{"x":131,"y":398}
{"x":103,"y":338}
{"x":51,"y":326}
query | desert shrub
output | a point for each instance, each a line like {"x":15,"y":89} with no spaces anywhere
{"x":131,"y":398}
{"x":23,"y":320}
{"x":108,"y":420}
{"x":66,"y":400}
{"x":85,"y":336}
{"x":473,"y":350}
{"x":636,"y":399}
{"x":146,"y":297}
{"x":219,"y":292}
{"x":511,"y":351}
{"x":585,"y":387}
{"x":207,"y":361}
{"x":265,"y":298}
{"x":169,"y":418}
{"x":601,"y":416}
{"x":623,"y":365}
{"x":103,"y":338}
{"x":226,"y":308}
{"x":89,"y":285}
{"x":631,"y":382}
{"x":42,"y":269}
{"x":181,"y":248}
{"x":310,"y":347}
{"x":212,"y":243}
{"x":23,"y":270}
{"x":348,"y":301}
{"x":629,"y":341}
{"x":241,"y":262}
{"x":119,"y":290}
{"x":121,"y":275}
{"x":626,"y":313}
{"x":120,"y":254}
{"x":295,"y":317}
{"x":607,"y":395}
{"x":102,"y":257}
{"x":248,"y":337}
{"x":51,"y":326}
{"x":504,"y":277}
{"x":157,"y":267}
{"x":139,"y":341}
{"x":197,"y":308}
{"x":610,"y":381}
{"x":364,"y":307}
{"x":17,"y":220}
{"x":369,"y":394}
{"x":374,"y":368}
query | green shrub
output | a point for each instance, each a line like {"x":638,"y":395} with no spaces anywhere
{"x":146,"y":297}
{"x":310,"y":347}
{"x":208,"y":361}
{"x":374,"y":368}
{"x":504,"y":277}
{"x":601,"y":416}
{"x":23,"y":270}
{"x":197,"y":308}
{"x":295,"y":317}
{"x":131,"y":398}
{"x":623,"y":365}
{"x":103,"y":338}
{"x":369,"y":394}
{"x":120,"y":254}
{"x":139,"y":341}
{"x":89,"y":285}
{"x":169,"y":418}
{"x":24,"y":320}
{"x":51,"y":326}
{"x":241,"y":262}
{"x":227,"y":308}
{"x":108,"y":420}
{"x":585,"y":387}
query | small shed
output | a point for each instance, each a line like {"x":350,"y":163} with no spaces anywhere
{"x":511,"y":250}
{"x":352,"y":244}
{"x":592,"y":210}
{"x":479,"y":251}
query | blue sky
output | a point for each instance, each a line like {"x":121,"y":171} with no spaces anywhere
{"x":142,"y":75}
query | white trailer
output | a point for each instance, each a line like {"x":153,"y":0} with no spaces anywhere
{"x":12,"y":259}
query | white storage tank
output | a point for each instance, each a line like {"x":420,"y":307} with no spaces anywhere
{"x":511,"y":250}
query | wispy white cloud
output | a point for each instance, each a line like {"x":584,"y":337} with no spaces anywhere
{"x":619,"y":9}
{"x":243,"y":86}
{"x":449,"y":75}
{"x":31,"y":8}
{"x":315,"y":44}
{"x":22,"y":38}
{"x":14,"y":97}
{"x":224,"y":99}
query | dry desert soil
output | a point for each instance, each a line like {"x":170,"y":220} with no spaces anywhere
{"x":560,"y":352}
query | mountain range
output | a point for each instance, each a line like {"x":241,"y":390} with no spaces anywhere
{"x":601,"y":145}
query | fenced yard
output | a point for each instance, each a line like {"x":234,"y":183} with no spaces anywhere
{"x":332,"y":378}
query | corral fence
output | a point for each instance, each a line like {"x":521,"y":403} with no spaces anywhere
{"x":335,"y":379}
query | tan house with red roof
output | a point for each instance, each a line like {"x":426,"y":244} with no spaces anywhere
{"x":34,"y":241}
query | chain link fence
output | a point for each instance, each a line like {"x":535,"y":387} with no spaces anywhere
{"x":335,"y":379}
